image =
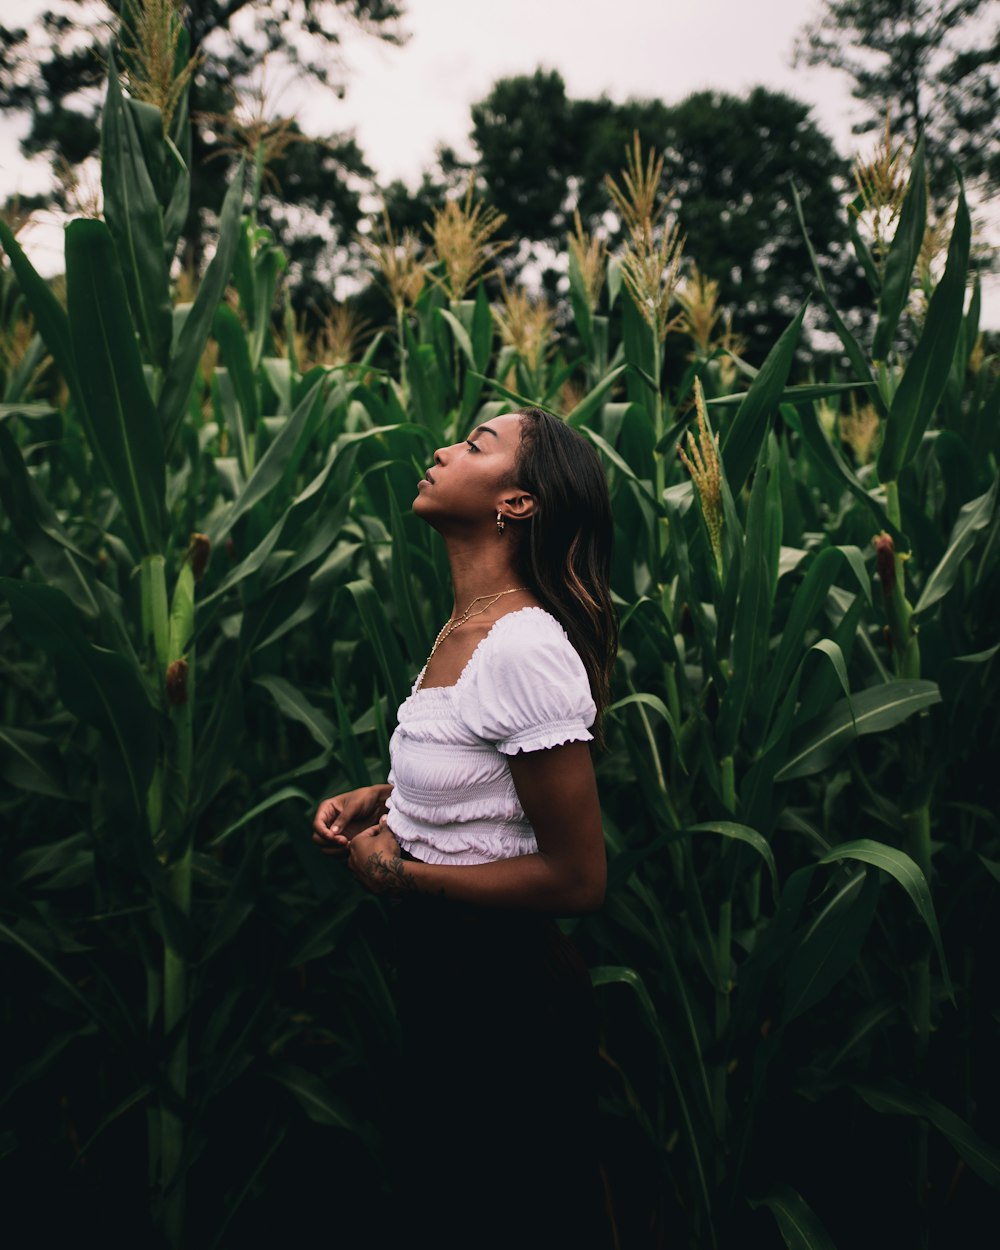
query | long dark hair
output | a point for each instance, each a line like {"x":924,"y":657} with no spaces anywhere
{"x":565,"y":556}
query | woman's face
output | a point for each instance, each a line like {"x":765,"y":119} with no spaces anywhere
{"x":471,"y":481}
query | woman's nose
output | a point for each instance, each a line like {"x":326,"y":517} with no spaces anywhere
{"x":439,"y":455}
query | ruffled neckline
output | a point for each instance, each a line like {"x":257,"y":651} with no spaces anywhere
{"x":442,"y":690}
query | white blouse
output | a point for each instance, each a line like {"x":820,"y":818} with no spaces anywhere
{"x":523,"y":689}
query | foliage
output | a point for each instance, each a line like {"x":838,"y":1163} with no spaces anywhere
{"x":213,"y":597}
{"x":931,"y":64}
{"x":728,"y":160}
{"x":52,"y":71}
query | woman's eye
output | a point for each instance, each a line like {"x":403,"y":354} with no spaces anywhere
{"x":471,"y":445}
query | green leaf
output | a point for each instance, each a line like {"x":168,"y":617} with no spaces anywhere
{"x":808,"y":599}
{"x":621,"y":465}
{"x":591,"y":403}
{"x":753,"y":612}
{"x":750,"y":424}
{"x":903,"y":253}
{"x":86,"y":1001}
{"x":273,"y":464}
{"x":411,"y":620}
{"x":232,"y":340}
{"x":831,"y":945}
{"x":314,"y":1097}
{"x":974,"y":516}
{"x":134,"y":217}
{"x":482,"y":329}
{"x":750,"y":837}
{"x":520,"y":400}
{"x":117,"y":411}
{"x":383,"y":640}
{"x":647,"y":700}
{"x":900,"y":866}
{"x":876,"y":709}
{"x":926,"y":376}
{"x":796,"y":394}
{"x":619,"y":975}
{"x":101,"y":687}
{"x":461,"y":336}
{"x":891,"y":1098}
{"x":194,"y":333}
{"x":858,"y":360}
{"x":807,"y":424}
{"x":861,"y":248}
{"x":348,"y":749}
{"x":49,"y":315}
{"x":797,"y":1223}
{"x":39,"y":530}
{"x":272,"y":800}
{"x":293,"y":704}
{"x":32,"y":762}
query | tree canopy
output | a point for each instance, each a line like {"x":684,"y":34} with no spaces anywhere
{"x":930,"y":64}
{"x":51,"y":71}
{"x":730,"y":160}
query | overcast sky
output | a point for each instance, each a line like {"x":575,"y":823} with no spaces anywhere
{"x":402,"y":102}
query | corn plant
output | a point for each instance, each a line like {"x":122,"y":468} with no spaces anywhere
{"x":216,"y":597}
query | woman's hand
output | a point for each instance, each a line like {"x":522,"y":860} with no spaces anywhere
{"x":375,"y":860}
{"x":343,"y":817}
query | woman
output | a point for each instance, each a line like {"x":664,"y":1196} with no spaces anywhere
{"x":488,"y":828}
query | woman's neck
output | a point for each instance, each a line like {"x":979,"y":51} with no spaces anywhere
{"x":478,"y":570}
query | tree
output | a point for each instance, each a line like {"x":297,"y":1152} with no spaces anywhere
{"x":731,"y":161}
{"x":52,"y":71}
{"x":931,"y":64}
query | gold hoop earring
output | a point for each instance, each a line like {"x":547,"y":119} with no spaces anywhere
{"x":500,"y":524}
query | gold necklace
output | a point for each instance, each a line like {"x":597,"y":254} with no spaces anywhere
{"x":450,"y":625}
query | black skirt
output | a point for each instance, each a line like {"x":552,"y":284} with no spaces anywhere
{"x":496,"y":1143}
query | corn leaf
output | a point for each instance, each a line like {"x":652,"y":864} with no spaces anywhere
{"x":926,"y":374}
{"x":293,"y":704}
{"x":608,"y":975}
{"x":874,"y":710}
{"x":118,"y":413}
{"x":383,"y":640}
{"x":805,"y":422}
{"x":273,"y":464}
{"x":830,"y":947}
{"x":49,"y":315}
{"x":41,"y":534}
{"x":232,"y":340}
{"x":797,"y":1222}
{"x":891,"y":1098}
{"x":314,"y":1097}
{"x":902,"y":257}
{"x":899,"y":865}
{"x":588,"y":407}
{"x":749,"y":425}
{"x":194,"y":333}
{"x":134,"y":217}
{"x":860,"y":364}
{"x":973,"y":517}
{"x":100,"y":687}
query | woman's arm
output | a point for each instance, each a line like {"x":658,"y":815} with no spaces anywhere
{"x":565,"y":876}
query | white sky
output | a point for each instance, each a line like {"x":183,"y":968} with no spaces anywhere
{"x":402,"y":102}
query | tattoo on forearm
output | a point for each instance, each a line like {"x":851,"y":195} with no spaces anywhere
{"x":391,"y":872}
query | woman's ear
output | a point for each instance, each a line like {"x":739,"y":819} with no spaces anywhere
{"x":518,"y":506}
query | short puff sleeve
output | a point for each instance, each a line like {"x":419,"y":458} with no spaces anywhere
{"x":529,"y":690}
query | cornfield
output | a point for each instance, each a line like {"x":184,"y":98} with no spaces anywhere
{"x":213,"y":597}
